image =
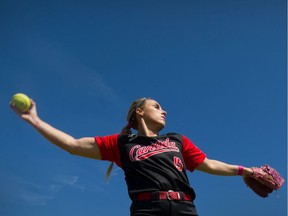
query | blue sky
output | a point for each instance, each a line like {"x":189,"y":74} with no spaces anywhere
{"x":217,"y":67}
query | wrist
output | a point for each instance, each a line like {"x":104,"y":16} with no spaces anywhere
{"x":35,"y":122}
{"x":240,"y":170}
{"x":247,"y":171}
{"x":243,"y":171}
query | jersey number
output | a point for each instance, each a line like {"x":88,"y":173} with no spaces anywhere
{"x":178,"y":163}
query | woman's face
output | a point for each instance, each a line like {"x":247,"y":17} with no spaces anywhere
{"x":153,"y":114}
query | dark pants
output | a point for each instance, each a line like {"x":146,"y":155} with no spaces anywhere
{"x":163,"y":208}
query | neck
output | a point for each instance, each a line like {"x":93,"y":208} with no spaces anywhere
{"x":145,"y":131}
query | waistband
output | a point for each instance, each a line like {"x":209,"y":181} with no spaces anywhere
{"x":163,"y":195}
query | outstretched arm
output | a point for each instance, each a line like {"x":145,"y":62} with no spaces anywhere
{"x":86,"y":147}
{"x":216,"y":167}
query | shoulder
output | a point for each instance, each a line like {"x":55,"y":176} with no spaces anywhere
{"x":174,"y":135}
{"x":124,"y":138}
{"x":108,"y":139}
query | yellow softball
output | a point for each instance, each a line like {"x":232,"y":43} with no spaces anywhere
{"x":21,"y":102}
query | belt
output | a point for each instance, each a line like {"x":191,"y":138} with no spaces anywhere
{"x":163,"y":195}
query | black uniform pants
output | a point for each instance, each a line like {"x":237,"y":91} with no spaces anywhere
{"x":163,"y":208}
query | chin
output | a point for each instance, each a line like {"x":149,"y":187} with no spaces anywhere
{"x":161,"y":126}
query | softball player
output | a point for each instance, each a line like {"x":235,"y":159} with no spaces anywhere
{"x":154,"y":165}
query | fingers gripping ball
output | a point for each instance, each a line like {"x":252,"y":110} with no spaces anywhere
{"x":21,"y":102}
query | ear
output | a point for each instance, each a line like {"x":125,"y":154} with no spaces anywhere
{"x":139,"y":112}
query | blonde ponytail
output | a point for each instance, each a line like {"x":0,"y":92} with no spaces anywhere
{"x":132,"y":123}
{"x":108,"y":172}
{"x":126,"y":130}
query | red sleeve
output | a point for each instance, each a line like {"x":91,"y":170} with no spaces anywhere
{"x":193,"y":156}
{"x":108,"y":146}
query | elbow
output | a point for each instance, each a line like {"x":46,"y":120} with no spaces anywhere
{"x":207,"y":166}
{"x":70,"y":151}
{"x":71,"y":147}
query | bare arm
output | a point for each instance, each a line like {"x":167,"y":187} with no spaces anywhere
{"x":216,"y":167}
{"x":86,"y":147}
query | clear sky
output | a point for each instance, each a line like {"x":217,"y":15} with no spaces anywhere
{"x":217,"y":67}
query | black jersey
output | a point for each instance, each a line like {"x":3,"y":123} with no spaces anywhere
{"x":152,"y":163}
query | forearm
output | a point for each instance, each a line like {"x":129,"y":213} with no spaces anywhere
{"x":86,"y":146}
{"x":216,"y":167}
{"x":53,"y":135}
